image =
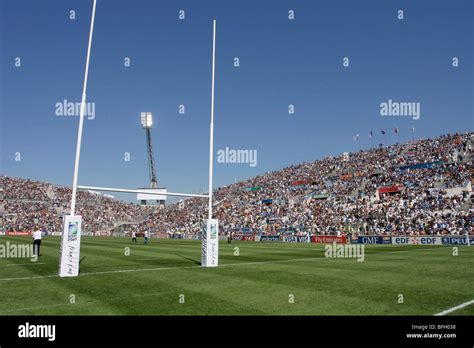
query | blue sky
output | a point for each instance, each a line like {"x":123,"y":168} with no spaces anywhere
{"x":282,"y":62}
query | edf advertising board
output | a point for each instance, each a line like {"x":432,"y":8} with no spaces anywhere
{"x":415,"y":240}
{"x":419,"y":240}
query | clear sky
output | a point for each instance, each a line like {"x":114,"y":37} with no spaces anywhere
{"x":282,"y":62}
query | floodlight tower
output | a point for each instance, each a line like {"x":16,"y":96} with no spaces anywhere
{"x":147,"y":124}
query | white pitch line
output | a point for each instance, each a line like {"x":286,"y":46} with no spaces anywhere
{"x":137,"y":270}
{"x":162,"y":268}
{"x":197,"y":266}
{"x":28,"y":278}
{"x":223,"y":265}
{"x":452,"y":309}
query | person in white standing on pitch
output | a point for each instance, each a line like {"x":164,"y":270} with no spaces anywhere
{"x":146,"y":237}
{"x":37,"y":242}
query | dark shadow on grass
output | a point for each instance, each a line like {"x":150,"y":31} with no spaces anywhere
{"x":187,"y":258}
{"x":80,"y":263}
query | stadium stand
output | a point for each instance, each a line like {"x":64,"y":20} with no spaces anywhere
{"x":422,"y":187}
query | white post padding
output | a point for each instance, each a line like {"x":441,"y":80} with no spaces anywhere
{"x":210,"y":243}
{"x":70,"y":246}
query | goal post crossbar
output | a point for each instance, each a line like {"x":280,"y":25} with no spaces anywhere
{"x":71,"y":237}
{"x":110,"y":189}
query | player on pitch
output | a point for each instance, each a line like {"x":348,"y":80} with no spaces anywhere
{"x":134,"y":237}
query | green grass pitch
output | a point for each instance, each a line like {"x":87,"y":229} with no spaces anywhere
{"x":164,"y":278}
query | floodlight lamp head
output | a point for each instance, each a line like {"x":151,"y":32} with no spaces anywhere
{"x":146,"y":119}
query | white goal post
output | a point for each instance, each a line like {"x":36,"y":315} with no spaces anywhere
{"x":71,"y":236}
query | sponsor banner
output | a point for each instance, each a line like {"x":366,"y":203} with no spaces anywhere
{"x":192,"y":236}
{"x":56,"y":233}
{"x":18,"y":233}
{"x":304,"y":239}
{"x":417,"y":240}
{"x":114,"y":234}
{"x":176,"y":236}
{"x":374,"y":240}
{"x":422,"y":165}
{"x":244,"y":237}
{"x":319,"y":196}
{"x":299,"y":183}
{"x":328,"y":239}
{"x":456,"y":240}
{"x":256,"y":188}
{"x":70,"y":246}
{"x":296,"y":239}
{"x":390,"y":189}
{"x":2,"y":233}
{"x":103,"y":234}
{"x":210,"y":243}
{"x":269,"y":238}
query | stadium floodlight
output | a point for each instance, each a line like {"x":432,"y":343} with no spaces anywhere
{"x":147,"y":123}
{"x":71,"y":237}
{"x":147,"y":120}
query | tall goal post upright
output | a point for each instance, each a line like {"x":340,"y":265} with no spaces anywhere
{"x":210,"y":233}
{"x":71,"y":236}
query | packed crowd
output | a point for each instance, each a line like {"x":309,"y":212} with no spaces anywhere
{"x":330,"y":196}
{"x":26,"y":204}
{"x":340,"y":194}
